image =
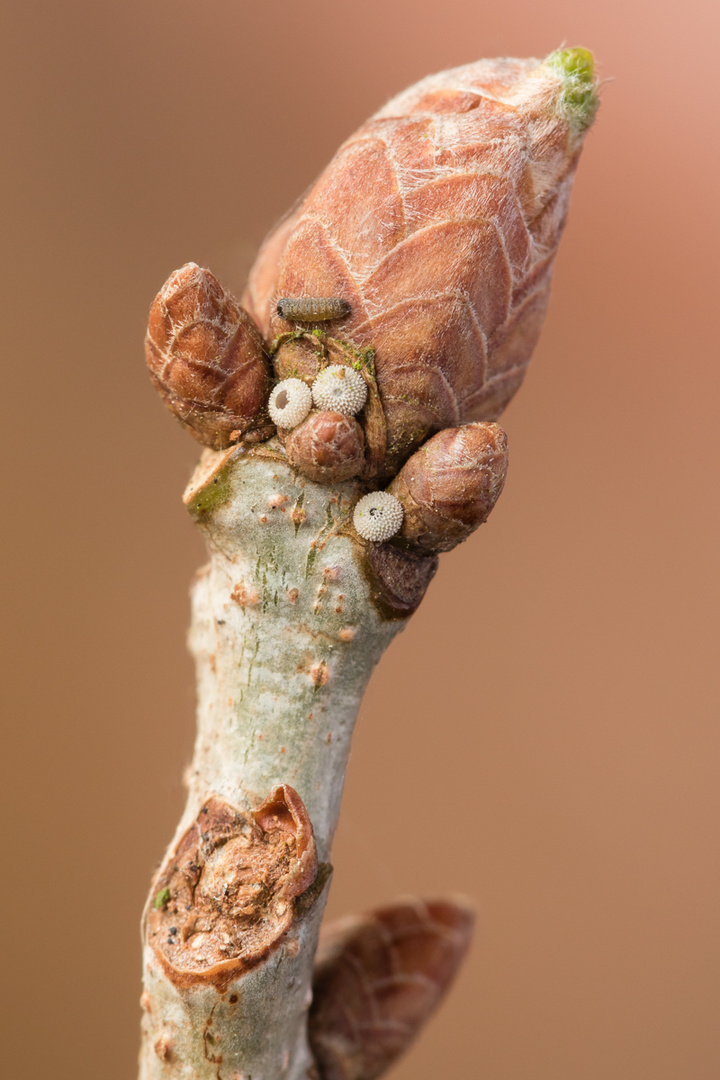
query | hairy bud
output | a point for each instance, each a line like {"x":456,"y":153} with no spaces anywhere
{"x":378,"y":978}
{"x":327,"y":447}
{"x":450,"y":485}
{"x":447,"y":206}
{"x":207,"y":361}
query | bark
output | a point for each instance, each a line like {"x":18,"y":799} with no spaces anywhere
{"x":289,"y":618}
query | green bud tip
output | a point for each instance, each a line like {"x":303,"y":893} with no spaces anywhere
{"x":161,"y":899}
{"x":579,"y":99}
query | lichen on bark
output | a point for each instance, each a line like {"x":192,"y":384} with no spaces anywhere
{"x":433,"y":231}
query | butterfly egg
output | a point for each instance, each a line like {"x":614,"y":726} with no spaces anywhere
{"x":341,"y":389}
{"x":378,"y":516}
{"x":312,"y":308}
{"x":289,"y":403}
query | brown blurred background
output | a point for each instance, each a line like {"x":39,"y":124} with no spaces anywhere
{"x":544,"y":735}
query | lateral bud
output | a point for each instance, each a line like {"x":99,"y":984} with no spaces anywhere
{"x":450,"y":485}
{"x":378,"y":977}
{"x":206,"y":359}
{"x":328,"y":447}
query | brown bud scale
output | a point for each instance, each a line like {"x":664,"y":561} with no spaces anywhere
{"x":398,"y":579}
{"x":327,"y":447}
{"x":207,"y":360}
{"x":449,"y":486}
{"x":377,"y":979}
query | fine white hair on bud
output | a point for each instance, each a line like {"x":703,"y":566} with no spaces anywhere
{"x":290,"y":402}
{"x":378,"y":516}
{"x":340,"y":389}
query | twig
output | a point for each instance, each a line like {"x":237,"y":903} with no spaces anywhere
{"x":428,"y":243}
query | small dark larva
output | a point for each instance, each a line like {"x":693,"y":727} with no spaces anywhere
{"x":312,"y":308}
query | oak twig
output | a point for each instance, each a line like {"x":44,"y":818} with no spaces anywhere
{"x":348,"y":413}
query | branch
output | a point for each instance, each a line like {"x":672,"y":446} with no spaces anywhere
{"x":348,"y":418}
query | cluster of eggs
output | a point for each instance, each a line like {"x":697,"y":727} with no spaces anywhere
{"x":329,"y":444}
{"x":326,"y":443}
{"x":338,"y":388}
